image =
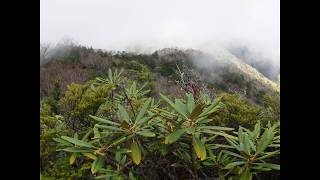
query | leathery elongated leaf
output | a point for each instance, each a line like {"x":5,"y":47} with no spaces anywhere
{"x":221,"y":134}
{"x":74,"y":149}
{"x":97,"y":164}
{"x":269,"y":154}
{"x":146,"y":133}
{"x":143,"y":109}
{"x":246,"y":143}
{"x":218,"y":128}
{"x":246,"y":175}
{"x":176,"y":106}
{"x":180,"y":107}
{"x":211,"y":107}
{"x":269,"y":165}
{"x":199,"y":148}
{"x":110,"y":75}
{"x":167,"y":100}
{"x":173,"y":137}
{"x":233,"y":164}
{"x":62,"y":142}
{"x":233,"y":154}
{"x":85,"y":137}
{"x":142,"y":121}
{"x":72,"y":158}
{"x":89,"y":155}
{"x":135,"y":153}
{"x":196,"y":111}
{"x":104,"y":120}
{"x":240,"y":135}
{"x":123,"y":114}
{"x":118,"y":141}
{"x":256,"y":132}
{"x":77,"y":142}
{"x":96,"y":133}
{"x":108,"y":127}
{"x":190,"y":102}
{"x":265,"y":140}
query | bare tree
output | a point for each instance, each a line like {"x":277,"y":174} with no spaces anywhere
{"x":44,"y":48}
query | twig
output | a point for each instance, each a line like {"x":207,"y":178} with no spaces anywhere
{"x":134,"y":114}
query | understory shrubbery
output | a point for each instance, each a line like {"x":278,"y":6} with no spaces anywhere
{"x":116,"y":128}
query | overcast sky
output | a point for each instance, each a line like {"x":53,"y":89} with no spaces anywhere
{"x":123,"y":24}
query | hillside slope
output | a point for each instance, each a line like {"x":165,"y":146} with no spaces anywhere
{"x":220,"y":69}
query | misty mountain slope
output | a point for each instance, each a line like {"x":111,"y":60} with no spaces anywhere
{"x":218,"y":65}
{"x":269,"y":66}
{"x":252,"y":74}
{"x":220,"y":69}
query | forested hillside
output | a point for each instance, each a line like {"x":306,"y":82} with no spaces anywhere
{"x":171,"y":114}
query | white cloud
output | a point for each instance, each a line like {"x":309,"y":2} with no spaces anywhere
{"x":119,"y":24}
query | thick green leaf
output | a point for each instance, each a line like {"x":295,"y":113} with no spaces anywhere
{"x":123,"y":114}
{"x":90,"y":155}
{"x":196,"y":111}
{"x":74,"y":149}
{"x":233,"y":143}
{"x":72,"y":158}
{"x":222,"y":134}
{"x":269,"y":154}
{"x":131,"y":176}
{"x":233,"y":164}
{"x":252,"y":145}
{"x":190,"y":130}
{"x":190,"y":102}
{"x":118,"y":141}
{"x":199,"y":148}
{"x":142,"y":121}
{"x":85,"y":137}
{"x":218,"y":128}
{"x":256,"y":131}
{"x":180,"y":107}
{"x":104,"y":120}
{"x":240,"y":137}
{"x":97,"y":164}
{"x":123,"y":160}
{"x":264,"y":141}
{"x":246,"y":143}
{"x":110,"y":75}
{"x":223,"y":146}
{"x":274,"y":145}
{"x":135,"y":153}
{"x":173,"y":137}
{"x":246,"y":175}
{"x":108,"y":176}
{"x":96,"y":133}
{"x":62,"y":142}
{"x":118,"y":156}
{"x":233,"y":154}
{"x":167,"y":100}
{"x":143,"y":110}
{"x":77,"y":142}
{"x":108,"y":127}
{"x":146,"y":133}
{"x":123,"y":150}
{"x":269,"y":165}
{"x":76,"y":136}
{"x":212,"y":107}
{"x":260,"y":168}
